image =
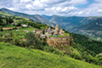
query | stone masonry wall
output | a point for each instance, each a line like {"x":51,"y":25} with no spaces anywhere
{"x":58,"y":41}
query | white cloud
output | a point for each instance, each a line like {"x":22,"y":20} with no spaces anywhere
{"x":98,"y":0}
{"x":99,"y":10}
{"x":80,"y":12}
{"x":65,"y":9}
{"x":58,"y":8}
{"x":29,"y":6}
{"x":25,"y":1}
{"x":78,"y":2}
{"x":53,"y":7}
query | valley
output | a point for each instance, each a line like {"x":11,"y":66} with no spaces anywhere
{"x":22,"y":37}
{"x":72,"y":24}
{"x":88,"y":26}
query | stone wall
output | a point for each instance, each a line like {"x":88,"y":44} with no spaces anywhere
{"x":59,"y":41}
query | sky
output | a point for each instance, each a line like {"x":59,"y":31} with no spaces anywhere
{"x":55,"y":7}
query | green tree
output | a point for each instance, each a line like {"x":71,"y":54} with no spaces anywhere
{"x":33,"y":41}
{"x":1,"y":28}
{"x":10,"y":20}
{"x":1,"y":22}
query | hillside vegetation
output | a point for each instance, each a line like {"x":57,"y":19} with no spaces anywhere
{"x":36,"y":18}
{"x":12,"y":56}
{"x":84,"y":49}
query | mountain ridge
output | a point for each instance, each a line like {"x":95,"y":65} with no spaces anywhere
{"x":70,"y":23}
{"x":36,"y":18}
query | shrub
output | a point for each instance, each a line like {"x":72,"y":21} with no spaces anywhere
{"x":15,"y":28}
{"x":58,"y":53}
{"x":1,"y":28}
{"x":48,"y":49}
{"x":15,"y":40}
{"x":33,"y":41}
{"x":22,"y":43}
{"x":76,"y":56}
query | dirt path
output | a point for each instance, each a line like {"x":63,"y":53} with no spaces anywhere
{"x":7,"y":28}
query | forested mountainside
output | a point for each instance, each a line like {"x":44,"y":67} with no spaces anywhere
{"x":92,"y":30}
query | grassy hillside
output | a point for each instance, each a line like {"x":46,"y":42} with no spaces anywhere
{"x":12,"y":56}
{"x":82,"y":50}
{"x":3,"y":13}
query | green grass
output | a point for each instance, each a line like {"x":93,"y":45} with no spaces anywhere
{"x":12,"y":56}
{"x":75,"y":51}
{"x":20,"y":33}
{"x":44,"y":27}
{"x":64,"y":35}
{"x":7,"y":26}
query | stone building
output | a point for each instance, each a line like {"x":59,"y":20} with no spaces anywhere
{"x":54,"y":41}
{"x":57,"y":31}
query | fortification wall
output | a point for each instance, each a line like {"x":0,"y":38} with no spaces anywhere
{"x":59,"y":41}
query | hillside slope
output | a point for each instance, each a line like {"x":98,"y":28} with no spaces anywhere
{"x":12,"y":56}
{"x":2,"y":13}
{"x":36,"y":18}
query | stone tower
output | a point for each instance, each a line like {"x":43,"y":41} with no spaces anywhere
{"x":57,"y":28}
{"x":49,"y":30}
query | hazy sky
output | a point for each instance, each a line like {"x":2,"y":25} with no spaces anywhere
{"x":55,"y":7}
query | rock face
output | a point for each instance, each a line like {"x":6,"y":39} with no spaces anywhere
{"x":59,"y":41}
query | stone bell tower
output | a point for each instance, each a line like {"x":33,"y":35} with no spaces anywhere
{"x":57,"y":28}
{"x":56,"y":31}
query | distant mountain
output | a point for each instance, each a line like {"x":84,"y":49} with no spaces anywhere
{"x":88,"y":26}
{"x":36,"y":18}
{"x":48,"y":18}
{"x":92,"y":29}
{"x":2,"y":13}
{"x":94,"y":25}
{"x":72,"y":23}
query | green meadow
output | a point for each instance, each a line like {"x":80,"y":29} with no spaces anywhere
{"x":12,"y":56}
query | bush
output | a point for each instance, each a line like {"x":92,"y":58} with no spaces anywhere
{"x":48,"y":49}
{"x":1,"y":28}
{"x":14,"y":28}
{"x":33,"y":41}
{"x":76,"y":56}
{"x":22,"y":43}
{"x":58,"y":53}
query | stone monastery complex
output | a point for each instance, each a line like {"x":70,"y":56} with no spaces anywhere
{"x":55,"y":38}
